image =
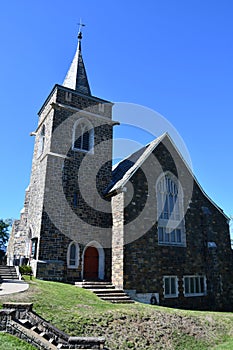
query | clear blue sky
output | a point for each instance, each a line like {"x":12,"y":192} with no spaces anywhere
{"x":175,"y":57}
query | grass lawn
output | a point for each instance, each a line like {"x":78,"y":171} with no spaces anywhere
{"x":8,"y":342}
{"x":135,"y":326}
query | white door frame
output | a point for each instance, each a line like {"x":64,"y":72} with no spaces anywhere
{"x":101,"y":253}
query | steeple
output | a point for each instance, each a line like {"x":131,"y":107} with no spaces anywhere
{"x":76,"y":77}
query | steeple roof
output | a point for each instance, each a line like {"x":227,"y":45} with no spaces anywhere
{"x":76,"y":77}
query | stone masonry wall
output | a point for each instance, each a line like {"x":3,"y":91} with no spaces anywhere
{"x":19,"y":243}
{"x":118,"y":241}
{"x":146,"y":262}
{"x":61,"y":173}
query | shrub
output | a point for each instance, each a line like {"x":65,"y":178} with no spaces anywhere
{"x":25,"y":270}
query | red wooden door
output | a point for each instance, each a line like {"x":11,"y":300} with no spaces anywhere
{"x":91,"y":264}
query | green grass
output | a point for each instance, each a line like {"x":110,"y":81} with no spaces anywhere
{"x":228,"y":345}
{"x":8,"y":342}
{"x":134,"y":326}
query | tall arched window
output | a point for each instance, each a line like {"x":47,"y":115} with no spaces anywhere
{"x":171,"y":228}
{"x":41,"y":141}
{"x":83,"y":136}
{"x":73,"y":255}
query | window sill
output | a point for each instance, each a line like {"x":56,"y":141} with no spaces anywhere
{"x":182,"y":245}
{"x":83,"y":150}
{"x":195,"y":295}
{"x":73,"y":267}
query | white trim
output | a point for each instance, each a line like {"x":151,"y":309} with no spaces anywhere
{"x":98,"y":246}
{"x":127,"y":176}
{"x":75,"y":266}
{"x":195,"y":294}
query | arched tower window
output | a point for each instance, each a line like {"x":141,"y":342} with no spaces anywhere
{"x":41,"y":141}
{"x":73,"y":256}
{"x":83,"y":136}
{"x":170,"y":212}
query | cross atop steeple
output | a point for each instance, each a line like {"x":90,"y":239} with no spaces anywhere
{"x":80,"y":34}
{"x":76,"y":77}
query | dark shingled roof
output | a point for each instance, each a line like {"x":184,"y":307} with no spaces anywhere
{"x":126,"y":168}
{"x":76,"y":77}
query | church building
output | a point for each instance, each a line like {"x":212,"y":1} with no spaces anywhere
{"x":145,"y":224}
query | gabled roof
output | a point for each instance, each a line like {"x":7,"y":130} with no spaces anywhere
{"x":125,"y":169}
{"x":76,"y":77}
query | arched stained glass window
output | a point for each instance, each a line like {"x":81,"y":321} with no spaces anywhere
{"x":83,"y":136}
{"x":168,"y":199}
{"x":73,"y":255}
{"x":171,"y":228}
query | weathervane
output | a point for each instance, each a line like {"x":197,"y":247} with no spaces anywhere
{"x":80,"y":29}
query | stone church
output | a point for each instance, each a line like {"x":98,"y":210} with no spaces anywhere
{"x":146,"y":224}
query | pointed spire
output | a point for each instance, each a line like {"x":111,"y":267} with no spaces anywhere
{"x":76,"y":77}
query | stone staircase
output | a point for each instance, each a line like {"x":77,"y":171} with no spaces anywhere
{"x":20,"y":321}
{"x":8,"y":273}
{"x":106,"y":291}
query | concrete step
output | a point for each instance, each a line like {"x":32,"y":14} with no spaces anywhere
{"x":113,"y":300}
{"x":112,"y":295}
{"x":52,"y":341}
{"x":35,"y":329}
{"x":26,"y":323}
{"x":98,"y":286}
{"x":44,"y":344}
{"x":8,"y":273}
{"x":106,"y":291}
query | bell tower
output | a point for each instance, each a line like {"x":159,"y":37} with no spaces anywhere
{"x":71,"y":167}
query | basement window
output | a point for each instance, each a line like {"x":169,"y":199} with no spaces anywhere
{"x":194,"y":286}
{"x":170,"y":286}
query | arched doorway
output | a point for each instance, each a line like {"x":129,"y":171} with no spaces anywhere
{"x":91,"y":264}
